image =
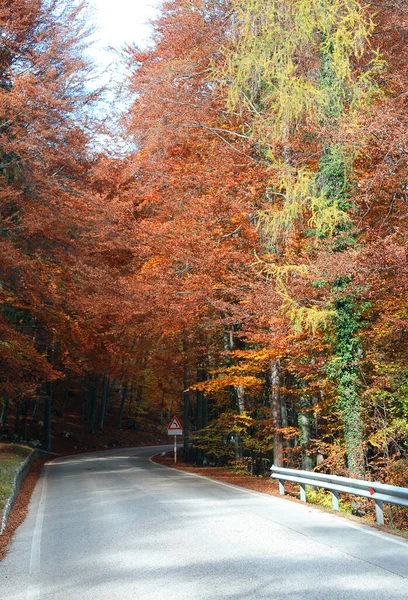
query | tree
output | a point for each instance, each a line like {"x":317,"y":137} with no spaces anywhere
{"x":44,"y":175}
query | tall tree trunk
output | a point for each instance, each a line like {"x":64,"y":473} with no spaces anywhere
{"x":139,"y":399}
{"x":84,"y":400}
{"x":228,"y":346}
{"x":162,"y":409}
{"x":284,"y":411}
{"x":240,"y":399}
{"x":47,"y":417}
{"x":276,"y":413}
{"x":237,"y":392}
{"x":4,"y":412}
{"x":239,"y":451}
{"x":199,"y":413}
{"x":186,"y":400}
{"x":93,"y":399}
{"x":17,"y":418}
{"x":102,"y":410}
{"x":348,"y":350}
{"x":205,"y":409}
{"x":122,"y":405}
{"x":66,"y":392}
{"x":24,"y":422}
{"x":199,"y":402}
{"x":306,"y":429}
{"x":130,"y":402}
{"x":111,"y":389}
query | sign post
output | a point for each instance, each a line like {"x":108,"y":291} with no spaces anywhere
{"x":175,"y":429}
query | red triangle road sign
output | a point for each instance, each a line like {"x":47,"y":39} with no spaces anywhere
{"x":174,"y":424}
{"x":175,"y":428}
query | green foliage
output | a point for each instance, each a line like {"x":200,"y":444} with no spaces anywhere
{"x":214,"y":440}
{"x":344,"y":369}
{"x":11,"y":456}
{"x":17,"y":316}
{"x":322,"y":497}
{"x":387,"y":405}
{"x":398,"y":473}
{"x":334,"y":175}
{"x":218,"y":439}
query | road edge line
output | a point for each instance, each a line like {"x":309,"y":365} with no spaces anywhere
{"x":33,"y":591}
{"x":361,"y":527}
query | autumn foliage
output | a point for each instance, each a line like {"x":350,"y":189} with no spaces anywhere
{"x":244,"y":263}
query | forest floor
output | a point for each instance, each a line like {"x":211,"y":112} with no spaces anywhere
{"x":395,"y":521}
{"x":226,"y":474}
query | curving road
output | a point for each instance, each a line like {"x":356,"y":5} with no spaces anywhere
{"x":114,"y":526}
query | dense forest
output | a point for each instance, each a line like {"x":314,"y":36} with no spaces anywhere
{"x":233,"y":251}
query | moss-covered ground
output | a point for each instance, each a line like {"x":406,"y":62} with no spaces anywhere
{"x":11,"y":456}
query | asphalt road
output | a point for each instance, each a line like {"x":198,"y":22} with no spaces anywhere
{"x":114,"y":526}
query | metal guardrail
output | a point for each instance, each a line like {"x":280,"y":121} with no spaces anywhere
{"x":379,"y":492}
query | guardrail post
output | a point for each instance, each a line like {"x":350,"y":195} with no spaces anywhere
{"x":335,"y":499}
{"x":379,"y":512}
{"x":303,"y":492}
{"x":281,"y":487}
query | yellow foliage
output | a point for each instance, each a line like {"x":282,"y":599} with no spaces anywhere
{"x":273,"y":69}
{"x":296,"y":62}
{"x":298,"y":196}
{"x":228,"y":380}
{"x":306,"y":317}
{"x":281,"y":273}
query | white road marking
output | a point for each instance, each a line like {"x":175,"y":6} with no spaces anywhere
{"x":127,"y":543}
{"x":33,"y":590}
{"x":364,"y":528}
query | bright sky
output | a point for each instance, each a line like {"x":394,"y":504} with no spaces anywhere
{"x":120,"y":22}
